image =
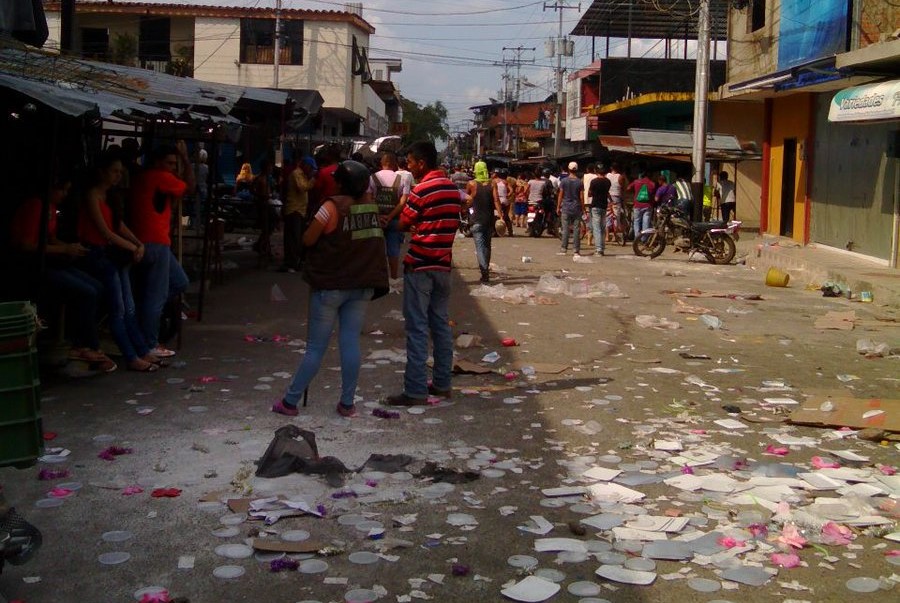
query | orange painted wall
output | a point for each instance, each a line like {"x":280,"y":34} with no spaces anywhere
{"x":790,"y":119}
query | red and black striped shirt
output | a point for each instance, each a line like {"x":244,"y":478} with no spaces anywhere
{"x":433,"y":208}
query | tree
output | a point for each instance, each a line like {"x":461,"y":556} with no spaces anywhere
{"x":424,"y":123}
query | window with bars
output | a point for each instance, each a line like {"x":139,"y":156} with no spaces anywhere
{"x":258,"y":42}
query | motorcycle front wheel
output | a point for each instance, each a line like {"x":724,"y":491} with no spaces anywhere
{"x":535,"y":229}
{"x":721,"y":248}
{"x":649,"y":245}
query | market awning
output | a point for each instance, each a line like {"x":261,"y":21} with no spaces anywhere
{"x":872,"y":102}
{"x":673,"y":19}
{"x":76,"y":87}
{"x":719,"y":147}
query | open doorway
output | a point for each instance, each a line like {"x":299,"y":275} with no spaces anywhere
{"x":788,"y":187}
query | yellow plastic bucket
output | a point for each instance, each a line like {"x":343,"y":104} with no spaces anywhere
{"x":777,"y":278}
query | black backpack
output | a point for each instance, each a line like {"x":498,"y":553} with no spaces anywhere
{"x":386,"y":197}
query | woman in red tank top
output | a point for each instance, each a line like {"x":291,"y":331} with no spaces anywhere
{"x":113,"y":248}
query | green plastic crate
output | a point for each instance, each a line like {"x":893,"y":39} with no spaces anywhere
{"x":20,"y":403}
{"x":19,"y":369}
{"x":21,"y":442}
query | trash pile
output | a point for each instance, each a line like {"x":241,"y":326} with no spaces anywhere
{"x":549,"y":284}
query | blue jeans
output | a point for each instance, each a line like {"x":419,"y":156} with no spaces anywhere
{"x":426,"y":300}
{"x":161,"y":277}
{"x":642,"y":217}
{"x":348,"y":308}
{"x":481,"y":236}
{"x":123,"y":324}
{"x":598,"y":225}
{"x":81,"y":293}
{"x":573,"y":222}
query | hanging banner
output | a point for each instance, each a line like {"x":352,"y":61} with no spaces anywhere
{"x":873,"y":102}
{"x":810,"y":30}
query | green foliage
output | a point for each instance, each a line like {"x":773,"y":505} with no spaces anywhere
{"x":124,"y":49}
{"x":424,"y":123}
{"x":182,"y":64}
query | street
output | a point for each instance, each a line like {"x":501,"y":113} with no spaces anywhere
{"x":589,"y":387}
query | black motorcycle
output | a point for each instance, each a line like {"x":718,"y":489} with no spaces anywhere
{"x":715,"y":240}
{"x":19,"y":540}
{"x":538,"y":219}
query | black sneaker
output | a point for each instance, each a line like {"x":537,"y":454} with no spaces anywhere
{"x":404,"y":400}
{"x":440,"y":393}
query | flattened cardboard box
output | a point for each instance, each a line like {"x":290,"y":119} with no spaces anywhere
{"x":848,"y":412}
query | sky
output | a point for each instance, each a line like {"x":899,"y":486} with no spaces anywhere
{"x":453,"y":50}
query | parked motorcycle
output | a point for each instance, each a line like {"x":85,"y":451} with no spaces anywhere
{"x":19,"y":540}
{"x":715,"y":240}
{"x":537,"y":220}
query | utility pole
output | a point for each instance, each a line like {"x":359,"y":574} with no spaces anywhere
{"x":277,"y":41}
{"x":517,"y":63}
{"x":561,"y":47}
{"x":701,"y":97}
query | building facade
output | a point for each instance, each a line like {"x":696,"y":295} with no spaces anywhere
{"x":826,"y":73}
{"x":321,"y":50}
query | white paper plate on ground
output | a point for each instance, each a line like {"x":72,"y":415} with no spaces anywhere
{"x":350,"y":519}
{"x":234,"y":551}
{"x":48,"y":503}
{"x":360,"y":595}
{"x":550,"y":574}
{"x":295,"y":536}
{"x":704,"y":585}
{"x":226,"y":532}
{"x":114,"y":558}
{"x":312,"y":566}
{"x":863,"y":584}
{"x":523,"y":561}
{"x":229,"y":572}
{"x":117,"y":536}
{"x":233,"y":519}
{"x":363,"y":558}
{"x":531,"y":590}
{"x":617,"y":573}
{"x":584,"y":589}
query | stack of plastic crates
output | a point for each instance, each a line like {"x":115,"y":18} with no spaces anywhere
{"x":21,"y":433}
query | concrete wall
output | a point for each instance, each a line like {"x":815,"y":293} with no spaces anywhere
{"x":744,"y":119}
{"x":854,"y":184}
{"x":876,"y":18}
{"x":752,"y":54}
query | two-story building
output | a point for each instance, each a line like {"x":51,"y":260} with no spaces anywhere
{"x":826,"y":74}
{"x":517,"y":129}
{"x":320,"y":50}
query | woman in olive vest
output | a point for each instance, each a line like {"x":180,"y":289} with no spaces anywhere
{"x":345,"y":267}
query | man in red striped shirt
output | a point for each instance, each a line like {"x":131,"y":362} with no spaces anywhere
{"x":432,"y":214}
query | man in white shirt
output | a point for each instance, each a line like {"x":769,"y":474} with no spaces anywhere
{"x":390,"y":186}
{"x":725,"y":196}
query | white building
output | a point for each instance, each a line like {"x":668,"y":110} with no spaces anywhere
{"x":321,"y":50}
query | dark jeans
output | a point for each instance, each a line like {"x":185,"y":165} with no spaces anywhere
{"x":504,"y":215}
{"x":81,"y":293}
{"x":123,"y":322}
{"x":426,"y":301}
{"x":481,"y":235}
{"x":294,"y":225}
{"x":161,"y":278}
{"x":727,"y":210}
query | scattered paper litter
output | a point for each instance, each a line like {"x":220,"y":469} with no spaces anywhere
{"x":531,"y":590}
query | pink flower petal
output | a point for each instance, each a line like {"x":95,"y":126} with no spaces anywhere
{"x":60,"y":492}
{"x":729,"y":543}
{"x":785,"y":560}
{"x":835,"y":534}
{"x":687,"y":470}
{"x":791,"y":537}
{"x":698,"y":431}
{"x":820,"y":463}
{"x":892,"y":553}
{"x":132,"y":490}
{"x":887,"y":469}
{"x":776,"y":450}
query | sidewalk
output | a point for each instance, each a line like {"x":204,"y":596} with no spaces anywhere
{"x":813,"y":264}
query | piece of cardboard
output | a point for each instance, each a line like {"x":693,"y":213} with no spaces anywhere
{"x":280,"y":546}
{"x":842,"y":321}
{"x":848,"y":412}
{"x":238,"y":505}
{"x":467,"y":367}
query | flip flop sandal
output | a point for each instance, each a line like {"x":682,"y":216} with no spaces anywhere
{"x":149,"y":368}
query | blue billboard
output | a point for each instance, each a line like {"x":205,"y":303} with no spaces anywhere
{"x":810,"y":30}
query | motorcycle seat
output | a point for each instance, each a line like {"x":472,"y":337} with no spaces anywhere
{"x":704,"y":226}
